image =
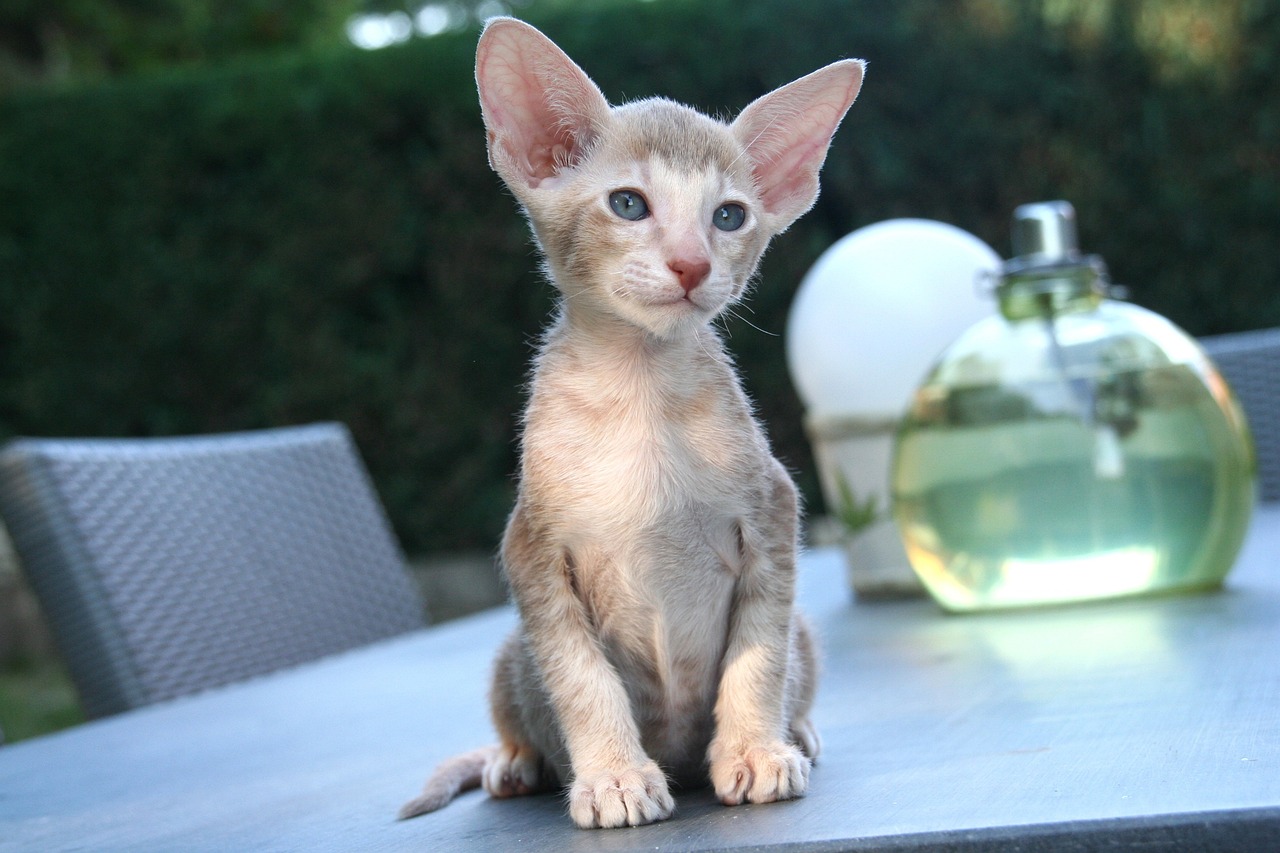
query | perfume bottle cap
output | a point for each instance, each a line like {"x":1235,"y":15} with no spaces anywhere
{"x":1047,"y":275}
{"x":1045,"y":233}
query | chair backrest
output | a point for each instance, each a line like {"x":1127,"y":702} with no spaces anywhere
{"x":1250,"y":361}
{"x":169,"y":565}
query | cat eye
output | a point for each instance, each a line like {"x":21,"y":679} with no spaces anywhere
{"x":628,"y":204}
{"x":729,"y":217}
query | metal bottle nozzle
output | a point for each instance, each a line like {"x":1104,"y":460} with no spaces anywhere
{"x":1045,"y":233}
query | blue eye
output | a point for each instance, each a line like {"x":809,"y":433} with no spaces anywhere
{"x":729,"y":217}
{"x":628,"y":204}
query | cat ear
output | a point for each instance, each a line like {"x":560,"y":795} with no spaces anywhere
{"x":541,"y":110}
{"x":786,"y":134}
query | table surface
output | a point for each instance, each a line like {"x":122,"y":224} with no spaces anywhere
{"x":1151,"y":723}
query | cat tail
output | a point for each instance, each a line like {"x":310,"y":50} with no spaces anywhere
{"x":452,"y":777}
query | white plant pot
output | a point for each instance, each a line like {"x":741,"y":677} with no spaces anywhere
{"x":853,"y":457}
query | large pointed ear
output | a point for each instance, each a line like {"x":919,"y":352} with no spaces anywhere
{"x":541,"y":110}
{"x":787,"y":132}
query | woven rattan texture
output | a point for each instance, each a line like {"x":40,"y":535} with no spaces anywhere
{"x":1250,"y":361}
{"x":195,"y":562}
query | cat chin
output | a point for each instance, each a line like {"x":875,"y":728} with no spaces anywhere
{"x":672,"y":320}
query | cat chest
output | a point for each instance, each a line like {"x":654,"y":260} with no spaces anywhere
{"x":636,"y":470}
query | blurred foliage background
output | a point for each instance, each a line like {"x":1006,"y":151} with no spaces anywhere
{"x":219,"y":216}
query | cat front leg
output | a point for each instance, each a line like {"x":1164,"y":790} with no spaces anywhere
{"x":613,"y":781}
{"x":754,"y":755}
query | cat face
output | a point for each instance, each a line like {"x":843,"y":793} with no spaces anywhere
{"x":651,"y":212}
{"x":658,"y":223}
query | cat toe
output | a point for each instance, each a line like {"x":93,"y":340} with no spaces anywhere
{"x":761,"y":774}
{"x":631,"y":798}
{"x":514,"y":771}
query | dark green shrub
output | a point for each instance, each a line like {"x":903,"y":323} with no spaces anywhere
{"x":321,"y":238}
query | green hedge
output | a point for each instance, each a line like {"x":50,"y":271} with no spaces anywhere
{"x":321,"y":237}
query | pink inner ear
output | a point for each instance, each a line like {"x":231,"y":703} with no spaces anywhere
{"x":532,"y":138}
{"x":790,"y":175}
{"x":539,"y":106}
{"x":787,"y":131}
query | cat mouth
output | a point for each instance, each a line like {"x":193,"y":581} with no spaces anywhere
{"x":683,"y":302}
{"x":664,"y":301}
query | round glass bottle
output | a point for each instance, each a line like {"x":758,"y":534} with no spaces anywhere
{"x":1072,"y":447}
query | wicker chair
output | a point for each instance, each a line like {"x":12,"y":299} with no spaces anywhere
{"x":167,"y":566}
{"x":1250,"y":361}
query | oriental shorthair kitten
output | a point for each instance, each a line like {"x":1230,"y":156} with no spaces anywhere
{"x":651,"y":552}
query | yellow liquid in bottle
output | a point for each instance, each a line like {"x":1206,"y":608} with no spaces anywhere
{"x":1006,"y":497}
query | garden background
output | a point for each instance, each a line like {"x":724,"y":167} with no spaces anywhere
{"x":298,"y":230}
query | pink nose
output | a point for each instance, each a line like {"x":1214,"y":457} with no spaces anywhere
{"x":690,"y":273}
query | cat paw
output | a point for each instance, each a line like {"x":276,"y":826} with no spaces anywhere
{"x":513,"y":771}
{"x":758,"y":774}
{"x":633,"y":797}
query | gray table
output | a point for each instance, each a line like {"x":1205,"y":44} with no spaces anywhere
{"x":1151,"y":724}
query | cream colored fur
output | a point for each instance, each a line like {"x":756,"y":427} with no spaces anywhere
{"x":652,"y":549}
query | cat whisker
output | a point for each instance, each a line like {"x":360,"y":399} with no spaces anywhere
{"x":569,"y":297}
{"x":702,"y":345}
{"x":751,"y":324}
{"x":619,"y":289}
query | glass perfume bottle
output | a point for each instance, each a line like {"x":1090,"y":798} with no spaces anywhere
{"x":1072,"y":447}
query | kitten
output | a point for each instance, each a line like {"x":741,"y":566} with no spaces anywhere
{"x":652,"y":549}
